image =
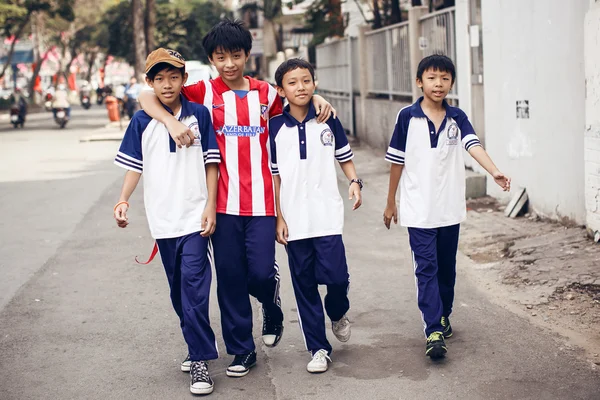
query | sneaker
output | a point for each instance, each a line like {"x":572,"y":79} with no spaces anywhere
{"x":447,"y":327}
{"x":436,"y":347}
{"x":272,"y":331}
{"x":319,"y":362}
{"x":186,"y":364}
{"x":341,"y":329}
{"x":200,"y":381}
{"x":241,"y":365}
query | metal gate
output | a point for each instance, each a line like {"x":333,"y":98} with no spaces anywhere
{"x":338,"y":77}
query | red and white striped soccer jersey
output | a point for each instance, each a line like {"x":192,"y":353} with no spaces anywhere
{"x":240,"y":123}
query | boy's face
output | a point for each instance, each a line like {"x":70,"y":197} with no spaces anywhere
{"x":230,"y":65}
{"x":167,"y":85}
{"x":298,"y":86}
{"x":435,"y":84}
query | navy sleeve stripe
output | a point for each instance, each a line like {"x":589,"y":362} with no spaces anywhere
{"x":130,"y":167}
{"x":394,"y":161}
{"x":128,"y":158}
{"x":338,"y":156}
{"x":394,"y":157}
{"x":471,"y":143}
{"x":344,"y":159}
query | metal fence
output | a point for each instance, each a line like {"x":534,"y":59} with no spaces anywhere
{"x":339,"y":77}
{"x":388,"y":55}
{"x":438,"y":37}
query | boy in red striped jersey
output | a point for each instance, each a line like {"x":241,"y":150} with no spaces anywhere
{"x":244,"y":241}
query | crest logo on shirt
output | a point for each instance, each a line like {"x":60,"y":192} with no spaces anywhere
{"x":452,"y":133}
{"x":196,"y":131}
{"x":264,"y":111}
{"x":327,"y":137}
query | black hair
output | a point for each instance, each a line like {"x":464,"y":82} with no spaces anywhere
{"x":437,"y":62}
{"x":290,"y":65}
{"x":161,"y":67}
{"x":228,"y":35}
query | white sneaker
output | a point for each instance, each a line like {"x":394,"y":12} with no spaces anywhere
{"x":341,"y":329}
{"x":319,"y":362}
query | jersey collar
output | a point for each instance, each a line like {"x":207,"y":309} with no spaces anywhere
{"x":417,"y":112}
{"x":186,"y":109}
{"x":291,"y":121}
{"x":221,"y":87}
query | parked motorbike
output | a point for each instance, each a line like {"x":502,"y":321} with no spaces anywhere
{"x":16,"y":118}
{"x":61,"y":117}
{"x":85,"y":102}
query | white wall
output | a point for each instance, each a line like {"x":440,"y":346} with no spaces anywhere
{"x":592,"y":128}
{"x":534,"y":51}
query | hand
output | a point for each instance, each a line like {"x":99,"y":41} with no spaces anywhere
{"x":209,"y":221}
{"x":120,"y":215}
{"x":354,"y":192}
{"x":282,"y":231}
{"x":323,"y":108}
{"x":502,"y":180}
{"x":390,"y":212}
{"x":181,"y":134}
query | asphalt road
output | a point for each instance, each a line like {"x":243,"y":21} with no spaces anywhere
{"x":80,"y":320}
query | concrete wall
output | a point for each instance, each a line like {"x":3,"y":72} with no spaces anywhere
{"x":534,"y":51}
{"x":377,"y":130}
{"x":592,"y":110}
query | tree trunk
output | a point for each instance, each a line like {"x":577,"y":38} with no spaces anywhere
{"x":377,"y":23}
{"x":139,"y":38}
{"x":396,"y":13}
{"x":91,"y":62}
{"x":36,"y":72}
{"x":337,"y":19}
{"x":416,"y":3}
{"x":150,"y":25}
{"x":14,"y":42}
{"x":269,"y":38}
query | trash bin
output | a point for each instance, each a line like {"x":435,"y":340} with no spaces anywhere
{"x":112,"y":105}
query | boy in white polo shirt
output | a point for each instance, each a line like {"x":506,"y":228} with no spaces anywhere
{"x":180,"y":192}
{"x":310,"y":210}
{"x":426,"y":152}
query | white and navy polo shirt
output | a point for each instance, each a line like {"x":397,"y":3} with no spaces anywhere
{"x":175,"y":191}
{"x":432,"y":184}
{"x":303,"y":154}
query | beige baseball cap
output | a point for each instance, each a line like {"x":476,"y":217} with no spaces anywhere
{"x":161,"y":55}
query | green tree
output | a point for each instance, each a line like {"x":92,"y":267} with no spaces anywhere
{"x":15,"y":15}
{"x":324,"y":19}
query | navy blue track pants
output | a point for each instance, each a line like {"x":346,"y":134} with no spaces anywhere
{"x":434,"y":259}
{"x":244,"y":250}
{"x":313,"y":262}
{"x":189,"y":273}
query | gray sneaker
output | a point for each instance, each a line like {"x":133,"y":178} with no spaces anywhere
{"x":341,"y":329}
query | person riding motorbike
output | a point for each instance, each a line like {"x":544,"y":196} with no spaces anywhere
{"x":85,"y":92}
{"x":18,"y":100}
{"x":61,"y":100}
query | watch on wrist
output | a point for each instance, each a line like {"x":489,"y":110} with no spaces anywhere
{"x":359,"y":181}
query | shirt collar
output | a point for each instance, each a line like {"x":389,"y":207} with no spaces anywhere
{"x":186,"y":109}
{"x":417,"y":112}
{"x":290,"y":121}
{"x":221,"y":87}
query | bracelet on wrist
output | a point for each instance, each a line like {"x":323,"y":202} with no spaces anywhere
{"x":119,"y":203}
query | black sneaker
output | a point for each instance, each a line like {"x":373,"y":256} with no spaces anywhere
{"x":241,"y":365}
{"x":186,"y":364}
{"x":272,"y":331}
{"x":447,"y":327}
{"x":200,"y":382}
{"x":436,"y":347}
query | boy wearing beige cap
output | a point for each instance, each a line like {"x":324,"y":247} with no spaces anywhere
{"x":180,"y":208}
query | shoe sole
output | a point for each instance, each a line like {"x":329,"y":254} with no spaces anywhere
{"x":342,"y":339}
{"x":449,"y":335}
{"x":185,"y":369}
{"x":317,"y":371}
{"x":208,"y":390}
{"x":277,"y":340}
{"x":238,"y":374}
